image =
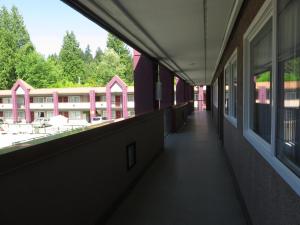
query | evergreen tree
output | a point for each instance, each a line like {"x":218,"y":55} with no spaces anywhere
{"x":104,"y":70}
{"x":70,"y":58}
{"x":87,"y":56}
{"x":126,"y":73}
{"x":13,"y":37}
{"x":98,"y":55}
{"x":19,"y":59}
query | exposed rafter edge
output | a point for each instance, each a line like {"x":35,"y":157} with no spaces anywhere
{"x":143,"y":30}
{"x":78,"y":6}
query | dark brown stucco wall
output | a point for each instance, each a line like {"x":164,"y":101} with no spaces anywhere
{"x":77,"y":179}
{"x":269,"y":199}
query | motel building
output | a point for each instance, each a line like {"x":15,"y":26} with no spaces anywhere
{"x":24,"y":103}
{"x":235,"y":163}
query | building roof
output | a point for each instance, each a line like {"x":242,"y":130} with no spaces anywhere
{"x":50,"y":91}
{"x":28,"y":86}
{"x":5,"y":92}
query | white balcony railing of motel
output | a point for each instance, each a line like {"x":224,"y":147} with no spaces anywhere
{"x":5,"y":106}
{"x":41,"y":105}
{"x":65,"y":105}
{"x":130,"y":104}
{"x":101,"y":105}
{"x":116,"y":106}
{"x":20,"y":106}
{"x":74,"y":105}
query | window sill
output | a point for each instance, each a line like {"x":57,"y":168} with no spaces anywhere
{"x":231,"y":119}
{"x":265,"y":150}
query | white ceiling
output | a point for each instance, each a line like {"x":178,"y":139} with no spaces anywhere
{"x":187,"y":36}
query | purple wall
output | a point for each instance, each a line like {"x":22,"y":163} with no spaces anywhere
{"x":191,"y":92}
{"x":144,"y":83}
{"x":167,"y":80}
{"x":186,"y":92}
{"x":180,"y":93}
{"x":116,"y":80}
{"x":208,"y":98}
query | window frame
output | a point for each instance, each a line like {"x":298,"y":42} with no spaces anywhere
{"x":75,"y":115}
{"x":39,"y":99}
{"x":229,"y":65}
{"x":48,"y":98}
{"x":216,"y":93}
{"x":6,"y":100}
{"x":74,"y":99}
{"x":266,"y":150}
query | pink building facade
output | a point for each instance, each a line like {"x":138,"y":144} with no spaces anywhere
{"x":24,"y":103}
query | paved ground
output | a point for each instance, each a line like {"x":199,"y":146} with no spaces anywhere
{"x":189,"y":184}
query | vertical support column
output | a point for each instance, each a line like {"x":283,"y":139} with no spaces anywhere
{"x":208,"y":97}
{"x":180,"y":94}
{"x":27,"y":106}
{"x":186,"y":92}
{"x":145,"y":77}
{"x":200,"y":98}
{"x":167,"y":80}
{"x":92,"y":95}
{"x":124,"y":102}
{"x":108,"y":102}
{"x":14,"y":106}
{"x":55,"y":104}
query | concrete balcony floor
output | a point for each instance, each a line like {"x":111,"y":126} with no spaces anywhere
{"x":189,"y":183}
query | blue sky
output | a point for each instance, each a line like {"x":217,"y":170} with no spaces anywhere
{"x":48,"y":20}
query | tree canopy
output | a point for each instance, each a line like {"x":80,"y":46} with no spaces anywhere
{"x":71,"y":67}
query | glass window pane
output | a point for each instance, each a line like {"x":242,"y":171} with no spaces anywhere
{"x":288,"y":110}
{"x":215,"y":93}
{"x":260,"y":82}
{"x":227,"y":90}
{"x":234,"y":88}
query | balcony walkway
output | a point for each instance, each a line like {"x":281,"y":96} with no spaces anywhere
{"x":188,"y":184}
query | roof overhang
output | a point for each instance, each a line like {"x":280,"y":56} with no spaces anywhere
{"x":188,"y":37}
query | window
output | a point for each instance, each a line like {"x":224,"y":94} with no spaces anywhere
{"x":20,"y":100}
{"x":41,"y":114}
{"x":49,"y":114}
{"x":7,"y":114}
{"x":272,"y":87}
{"x":261,"y":82}
{"x":6,"y":100}
{"x":38,"y":100}
{"x":74,"y":98}
{"x":103,"y":98}
{"x":49,"y":99}
{"x":98,"y":98}
{"x":21,"y":115}
{"x":258,"y":79}
{"x":104,"y":113}
{"x":130,"y":98}
{"x":63,"y":99}
{"x":74,"y":115}
{"x":230,"y":88}
{"x":288,"y":110}
{"x":215,"y":93}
